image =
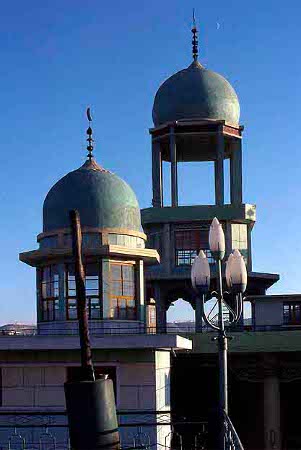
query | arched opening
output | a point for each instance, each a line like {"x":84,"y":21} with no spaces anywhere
{"x":180,"y":315}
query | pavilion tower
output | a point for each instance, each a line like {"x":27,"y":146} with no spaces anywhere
{"x":114,"y":253}
{"x":196,"y":118}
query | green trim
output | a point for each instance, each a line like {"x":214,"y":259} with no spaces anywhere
{"x":244,"y":213}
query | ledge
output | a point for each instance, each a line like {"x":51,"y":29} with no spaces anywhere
{"x":124,"y":342}
{"x":244,"y":213}
{"x":35,"y":257}
{"x":251,"y":342}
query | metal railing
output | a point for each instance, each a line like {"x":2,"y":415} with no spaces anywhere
{"x":21,"y":430}
{"x":177,"y":329}
{"x":232,"y":439}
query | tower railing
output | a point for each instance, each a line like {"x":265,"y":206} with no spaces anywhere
{"x":186,"y":330}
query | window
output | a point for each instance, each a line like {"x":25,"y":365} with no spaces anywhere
{"x":188,"y":243}
{"x":240,"y":238}
{"x":292,"y":313}
{"x":92,"y":283}
{"x":122,"y":291}
{"x":49,"y":293}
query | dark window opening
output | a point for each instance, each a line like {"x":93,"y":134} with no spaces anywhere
{"x":92,"y":283}
{"x":122,"y":292}
{"x":49,"y":293}
{"x":188,"y":243}
{"x":292,"y":313}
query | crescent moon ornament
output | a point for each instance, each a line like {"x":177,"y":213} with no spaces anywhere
{"x":89,"y":115}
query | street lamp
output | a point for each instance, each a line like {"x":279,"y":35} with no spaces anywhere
{"x":236,"y":279}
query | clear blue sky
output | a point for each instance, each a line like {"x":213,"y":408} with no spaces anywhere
{"x":59,"y":56}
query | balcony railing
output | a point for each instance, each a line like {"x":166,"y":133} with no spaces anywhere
{"x":170,"y":329}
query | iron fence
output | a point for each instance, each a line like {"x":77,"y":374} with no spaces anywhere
{"x":139,"y":430}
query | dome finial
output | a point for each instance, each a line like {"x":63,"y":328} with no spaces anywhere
{"x":194,"y":30}
{"x":89,"y":133}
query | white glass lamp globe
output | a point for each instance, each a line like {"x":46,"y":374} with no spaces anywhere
{"x":217,"y":240}
{"x":200,"y":273}
{"x":236,"y":272}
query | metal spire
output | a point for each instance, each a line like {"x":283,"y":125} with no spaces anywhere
{"x":89,"y":133}
{"x":195,"y":42}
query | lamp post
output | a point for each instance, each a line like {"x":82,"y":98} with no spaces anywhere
{"x":236,"y":278}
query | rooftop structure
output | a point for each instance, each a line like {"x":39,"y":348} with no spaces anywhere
{"x":196,"y":118}
{"x":113,"y":247}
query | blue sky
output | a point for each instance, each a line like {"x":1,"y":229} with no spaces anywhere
{"x":58,"y":57}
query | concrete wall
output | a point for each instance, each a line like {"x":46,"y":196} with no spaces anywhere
{"x":268,"y":312}
{"x":142,"y":386}
{"x":137,"y":386}
{"x":33,"y":386}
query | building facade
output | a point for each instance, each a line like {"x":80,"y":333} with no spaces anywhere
{"x":196,"y":119}
{"x":132,"y":278}
{"x":34,"y":368}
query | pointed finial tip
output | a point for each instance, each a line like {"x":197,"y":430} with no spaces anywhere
{"x":90,"y":140}
{"x":193,"y":17}
{"x":89,"y":114}
{"x":194,"y":30}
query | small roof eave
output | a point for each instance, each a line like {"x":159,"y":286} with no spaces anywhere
{"x":35,"y":258}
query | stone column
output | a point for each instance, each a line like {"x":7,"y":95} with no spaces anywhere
{"x":62,"y":299}
{"x":141,"y":315}
{"x":228,"y":237}
{"x":249,"y":231}
{"x":272,"y":430}
{"x":219,"y":168}
{"x":167,"y":255}
{"x":160,"y":309}
{"x":236,"y":173}
{"x":198,"y":315}
{"x":157,"y":175}
{"x":174,"y":168}
{"x":39,"y":294}
{"x":105,"y":271}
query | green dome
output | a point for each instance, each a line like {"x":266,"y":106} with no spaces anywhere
{"x":196,"y":93}
{"x":101,"y":197}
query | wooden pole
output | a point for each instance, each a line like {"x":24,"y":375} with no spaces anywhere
{"x":86,"y":355}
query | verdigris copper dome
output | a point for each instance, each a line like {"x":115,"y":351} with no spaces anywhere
{"x":102,"y":198}
{"x":196,"y":93}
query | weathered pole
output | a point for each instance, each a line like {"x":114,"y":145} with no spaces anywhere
{"x":90,"y":403}
{"x":83,"y":324}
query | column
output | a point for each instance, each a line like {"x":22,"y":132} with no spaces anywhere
{"x":160,"y":309}
{"x":62,"y":298}
{"x":141,"y":316}
{"x":236,"y":173}
{"x":249,"y":230}
{"x":174,"y":169}
{"x":228,"y":238}
{"x":39,"y":294}
{"x":106,"y":301}
{"x":219,"y":169}
{"x":198,"y":315}
{"x":167,"y":252}
{"x":157,"y":175}
{"x":272,"y":431}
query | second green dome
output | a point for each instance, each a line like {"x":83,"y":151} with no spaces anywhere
{"x":196,"y":93}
